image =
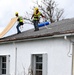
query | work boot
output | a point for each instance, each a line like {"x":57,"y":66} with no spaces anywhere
{"x":36,"y":30}
{"x":18,"y":32}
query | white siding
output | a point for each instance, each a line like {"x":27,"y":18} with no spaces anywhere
{"x":58,"y":61}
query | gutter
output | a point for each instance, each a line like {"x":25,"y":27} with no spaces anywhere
{"x":37,"y":38}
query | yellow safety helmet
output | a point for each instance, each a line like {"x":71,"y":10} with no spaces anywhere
{"x":16,"y":13}
{"x":36,"y":8}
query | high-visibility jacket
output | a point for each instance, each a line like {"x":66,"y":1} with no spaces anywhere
{"x":20,"y":19}
{"x":37,"y":16}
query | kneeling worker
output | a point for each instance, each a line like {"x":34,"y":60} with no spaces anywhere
{"x":36,"y":17}
{"x":20,"y":22}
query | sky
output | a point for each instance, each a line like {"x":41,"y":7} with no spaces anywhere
{"x":9,"y":7}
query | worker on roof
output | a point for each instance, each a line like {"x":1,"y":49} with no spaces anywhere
{"x":20,"y":22}
{"x":36,"y":17}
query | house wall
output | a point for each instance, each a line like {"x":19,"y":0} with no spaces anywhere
{"x":57,"y":49}
{"x":0,"y":65}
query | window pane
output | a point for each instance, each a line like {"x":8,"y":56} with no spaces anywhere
{"x":38,"y":65}
{"x":38,"y":72}
{"x":3,"y":71}
{"x":4,"y":59}
{"x":3,"y":65}
{"x":39,"y":58}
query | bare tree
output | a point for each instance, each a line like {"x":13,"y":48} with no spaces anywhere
{"x":50,"y":10}
{"x":59,"y":13}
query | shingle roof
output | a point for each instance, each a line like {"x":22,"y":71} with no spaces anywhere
{"x":62,"y":27}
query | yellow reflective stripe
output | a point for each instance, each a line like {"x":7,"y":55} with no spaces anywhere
{"x":20,"y":19}
{"x":36,"y":16}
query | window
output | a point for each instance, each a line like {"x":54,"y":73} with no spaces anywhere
{"x":39,"y":64}
{"x":4,"y":65}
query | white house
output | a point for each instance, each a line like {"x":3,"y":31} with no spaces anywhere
{"x":48,"y":51}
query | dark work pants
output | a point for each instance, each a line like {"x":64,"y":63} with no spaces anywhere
{"x":36,"y":24}
{"x":18,"y":25}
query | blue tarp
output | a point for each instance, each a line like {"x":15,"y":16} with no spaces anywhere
{"x":43,"y":24}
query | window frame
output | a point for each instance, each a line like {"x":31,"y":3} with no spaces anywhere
{"x":7,"y":62}
{"x":44,"y":63}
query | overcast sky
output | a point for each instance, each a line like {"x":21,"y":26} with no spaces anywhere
{"x":9,"y":7}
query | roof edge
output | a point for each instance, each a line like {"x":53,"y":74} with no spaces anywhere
{"x":35,"y":38}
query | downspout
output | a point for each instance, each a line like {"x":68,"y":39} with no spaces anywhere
{"x":72,"y":59}
{"x":15,"y":58}
{"x":65,"y":37}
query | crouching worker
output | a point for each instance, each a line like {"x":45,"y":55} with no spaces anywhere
{"x":36,"y":17}
{"x":20,"y":22}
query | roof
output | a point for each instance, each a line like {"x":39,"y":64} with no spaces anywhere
{"x":58,"y":28}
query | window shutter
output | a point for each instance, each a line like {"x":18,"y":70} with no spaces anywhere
{"x":33,"y":63}
{"x":8,"y":64}
{"x":45,"y":63}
